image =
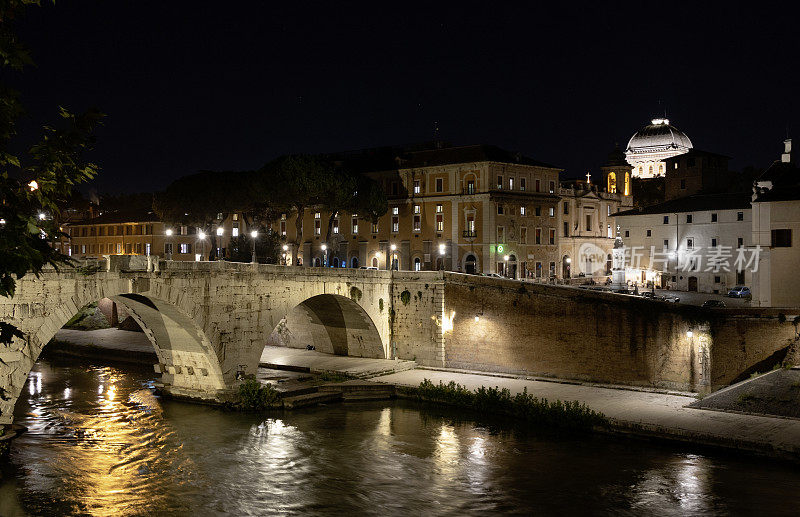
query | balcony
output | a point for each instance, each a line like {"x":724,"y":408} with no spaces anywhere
{"x":469,"y":234}
{"x":469,"y":190}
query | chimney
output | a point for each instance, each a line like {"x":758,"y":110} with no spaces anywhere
{"x":786,"y":157}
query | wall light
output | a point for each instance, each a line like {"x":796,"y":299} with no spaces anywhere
{"x":505,"y":257}
{"x":254,"y":234}
{"x":201,"y":235}
{"x":689,"y":333}
{"x":285,"y":247}
{"x":393,"y":247}
{"x":33,"y":185}
{"x":477,"y":318}
{"x":220,"y":231}
{"x":441,"y":249}
{"x":169,"y":232}
{"x":324,"y":247}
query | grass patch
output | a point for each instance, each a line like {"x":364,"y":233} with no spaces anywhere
{"x":524,"y":406}
{"x":333,"y":377}
{"x":745,"y":397}
{"x":254,"y":396}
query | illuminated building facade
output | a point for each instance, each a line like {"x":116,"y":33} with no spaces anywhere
{"x":474,"y":209}
{"x":651,"y":145}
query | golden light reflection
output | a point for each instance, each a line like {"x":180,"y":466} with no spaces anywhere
{"x":447,"y":450}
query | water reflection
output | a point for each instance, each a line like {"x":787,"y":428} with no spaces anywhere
{"x":100,"y":443}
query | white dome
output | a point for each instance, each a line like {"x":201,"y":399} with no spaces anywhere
{"x":658,"y":136}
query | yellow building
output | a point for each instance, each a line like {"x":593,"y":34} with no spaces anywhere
{"x":475,"y":209}
{"x":140,"y":232}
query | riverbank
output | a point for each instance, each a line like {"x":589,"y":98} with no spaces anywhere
{"x":635,"y":412}
{"x":105,"y":344}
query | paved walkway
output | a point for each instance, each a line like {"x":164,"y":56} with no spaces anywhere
{"x":655,"y":414}
{"x":311,"y":360}
{"x":111,"y":339}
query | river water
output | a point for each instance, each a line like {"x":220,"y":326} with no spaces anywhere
{"x":100,"y":443}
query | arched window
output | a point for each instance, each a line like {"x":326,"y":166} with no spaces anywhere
{"x":470,"y":265}
{"x":661,"y":168}
{"x":335,"y":261}
{"x":354,"y":263}
{"x":316,"y":261}
{"x":627,"y":190}
{"x":612,"y":182}
{"x":650,"y":170}
{"x":375,"y":262}
{"x":417,"y":264}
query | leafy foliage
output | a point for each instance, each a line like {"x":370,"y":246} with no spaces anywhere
{"x":254,"y":396}
{"x":566,"y":415}
{"x":38,"y":182}
{"x":268,"y":248}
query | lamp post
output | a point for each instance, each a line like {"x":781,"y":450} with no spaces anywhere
{"x":202,"y":236}
{"x":393,"y":248}
{"x":325,"y":255}
{"x":378,"y":257}
{"x":441,"y":254}
{"x":220,"y":231}
{"x":505,"y":267}
{"x":254,"y":234}
{"x":168,"y":233}
{"x":285,"y":253}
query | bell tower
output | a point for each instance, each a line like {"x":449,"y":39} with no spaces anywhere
{"x":617,"y":175}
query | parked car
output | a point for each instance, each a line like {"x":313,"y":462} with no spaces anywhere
{"x":713,"y":303}
{"x":670,"y":299}
{"x":740,"y":291}
{"x":369,"y":267}
{"x":648,"y":294}
{"x":494,"y":275}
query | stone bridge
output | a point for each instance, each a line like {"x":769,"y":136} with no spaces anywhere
{"x":207,"y":320}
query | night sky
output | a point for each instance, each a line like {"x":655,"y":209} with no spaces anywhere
{"x":230,"y":85}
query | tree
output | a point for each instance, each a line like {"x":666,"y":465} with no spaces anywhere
{"x":38,"y":181}
{"x":268,"y":247}
{"x":296,"y":182}
{"x":197,"y":200}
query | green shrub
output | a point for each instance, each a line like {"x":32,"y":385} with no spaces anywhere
{"x":524,"y":406}
{"x":254,"y":396}
{"x":333,"y":377}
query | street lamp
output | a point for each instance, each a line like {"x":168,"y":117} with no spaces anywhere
{"x":285,"y":252}
{"x":325,"y":256}
{"x":254,"y":234}
{"x":393,"y":258}
{"x":42,"y":216}
{"x":168,"y":233}
{"x":202,"y":236}
{"x":505,"y":260}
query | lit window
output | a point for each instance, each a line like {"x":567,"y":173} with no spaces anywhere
{"x":374,"y":227}
{"x":395,"y":224}
{"x":416,"y":209}
{"x":417,"y":223}
{"x":335,"y":226}
{"x":416,"y":187}
{"x":552,"y":211}
{"x":395,"y":210}
{"x":355,"y":224}
{"x":317,"y":227}
{"x":283,"y":228}
{"x":439,"y":222}
{"x":235,"y":231}
{"x":510,"y":183}
{"x":499,"y":182}
{"x":184,"y":248}
{"x":439,"y":209}
{"x":522,"y":183}
{"x":522,"y":210}
{"x":317,"y":215}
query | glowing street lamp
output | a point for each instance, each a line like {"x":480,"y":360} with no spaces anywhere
{"x":325,"y":257}
{"x":285,"y":254}
{"x":220,"y":231}
{"x":202,"y":236}
{"x":33,"y":185}
{"x":168,"y":233}
{"x":253,"y":235}
{"x":42,"y":216}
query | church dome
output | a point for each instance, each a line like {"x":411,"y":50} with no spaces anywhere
{"x":659,"y":135}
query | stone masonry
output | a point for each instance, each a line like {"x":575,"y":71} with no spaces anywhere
{"x":207,"y":320}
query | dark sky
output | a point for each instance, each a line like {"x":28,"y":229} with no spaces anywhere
{"x":230,"y":85}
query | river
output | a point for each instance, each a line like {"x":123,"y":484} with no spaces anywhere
{"x":100,"y":443}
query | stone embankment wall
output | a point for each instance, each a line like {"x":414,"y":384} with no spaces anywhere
{"x":509,"y":326}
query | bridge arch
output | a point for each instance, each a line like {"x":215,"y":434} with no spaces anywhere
{"x":187,"y":359}
{"x":332,"y":324}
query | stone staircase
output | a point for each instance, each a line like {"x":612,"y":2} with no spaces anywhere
{"x":353,"y":390}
